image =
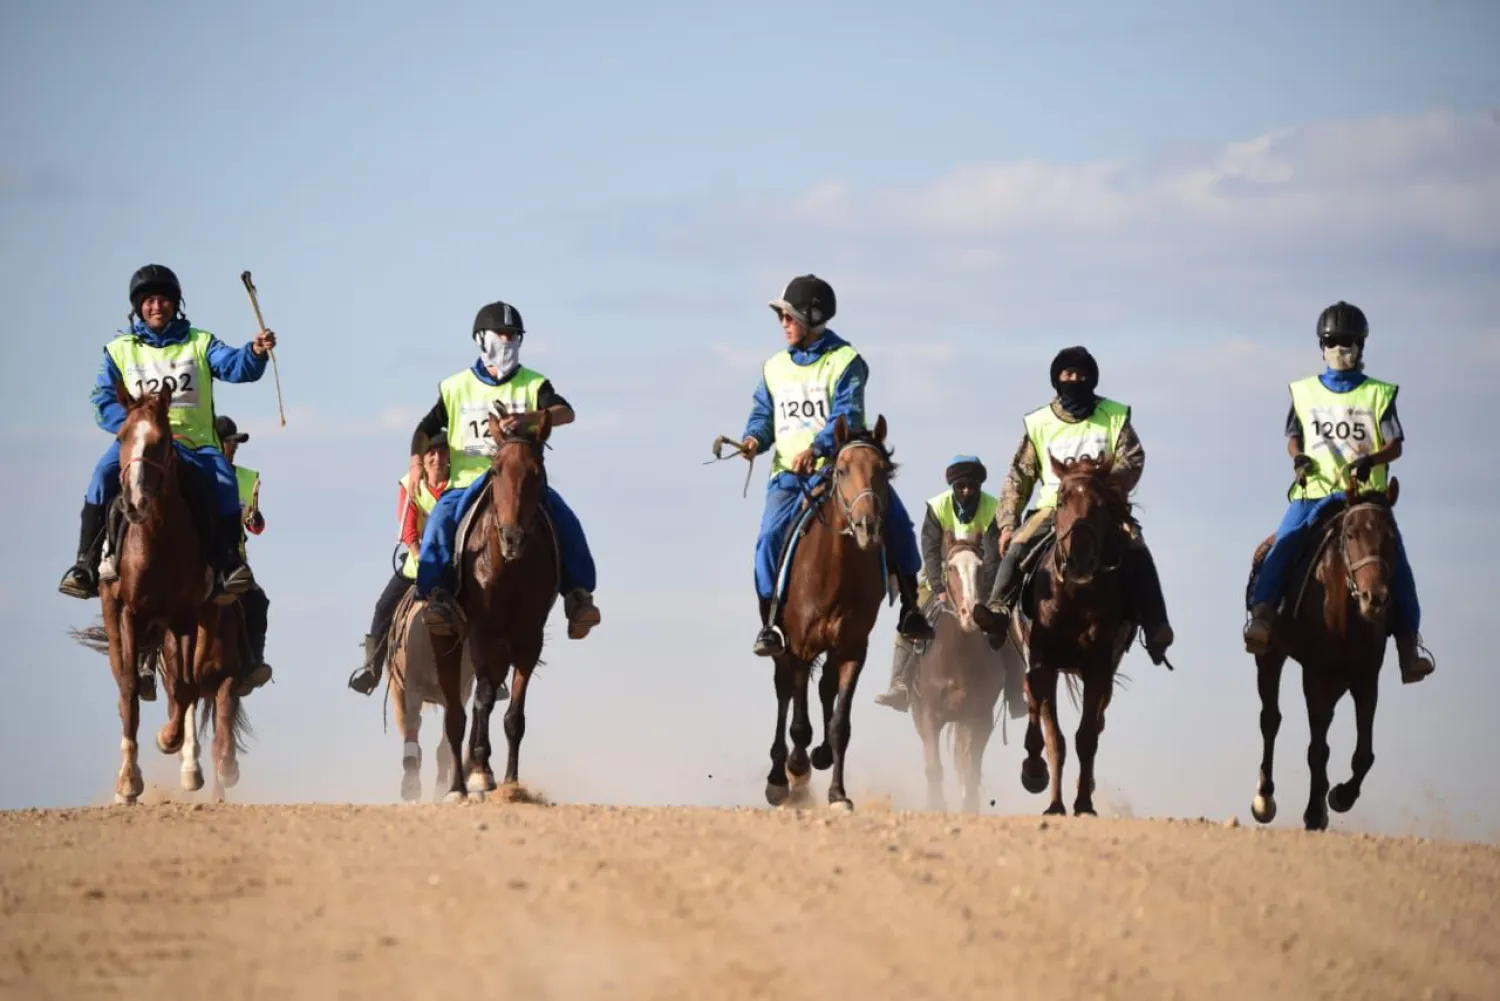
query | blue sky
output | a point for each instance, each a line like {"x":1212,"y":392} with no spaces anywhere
{"x":1181,"y":186}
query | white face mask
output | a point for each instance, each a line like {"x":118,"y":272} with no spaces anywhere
{"x":501,"y":354}
{"x":1341,"y":359}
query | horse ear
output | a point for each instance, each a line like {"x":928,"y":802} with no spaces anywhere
{"x":840,"y":431}
{"x":1058,"y":469}
{"x":123,"y":395}
{"x":495,"y":433}
{"x":1393,"y":491}
{"x":543,"y":426}
{"x":880,"y":429}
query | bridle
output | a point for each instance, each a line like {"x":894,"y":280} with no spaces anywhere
{"x":1083,"y":526}
{"x":1351,"y":568}
{"x":847,"y":504}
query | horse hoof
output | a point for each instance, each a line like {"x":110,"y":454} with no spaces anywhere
{"x":455,"y":796}
{"x":411,"y":787}
{"x":1263,"y":809}
{"x":168,"y":747}
{"x":192,"y":779}
{"x":822,"y":757}
{"x":1337,"y":800}
{"x":123,"y":800}
{"x":1055,"y":810}
{"x":230,"y":774}
{"x":776,"y":795}
{"x":1035,"y":779}
{"x":798,"y":781}
{"x":481,"y":781}
{"x":1316,"y":820}
{"x":1084,"y":810}
{"x":841,"y":806}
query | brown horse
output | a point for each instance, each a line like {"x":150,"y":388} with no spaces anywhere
{"x":159,"y":609}
{"x":1337,"y":632}
{"x":414,"y":686}
{"x":959,"y":679}
{"x":834,"y":590}
{"x":510,"y":577}
{"x":1080,"y":627}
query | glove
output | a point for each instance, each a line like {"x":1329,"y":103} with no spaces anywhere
{"x":1361,"y":468}
{"x":1302,"y":465}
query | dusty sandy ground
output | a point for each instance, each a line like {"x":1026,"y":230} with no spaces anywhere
{"x":526,"y":901}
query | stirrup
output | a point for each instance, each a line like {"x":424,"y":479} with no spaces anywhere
{"x":442,"y":616}
{"x":769,"y":642}
{"x":78,"y":583}
{"x":364,"y":680}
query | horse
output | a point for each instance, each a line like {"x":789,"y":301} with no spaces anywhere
{"x":509,"y":580}
{"x":959,"y":678}
{"x":835,"y":584}
{"x":1080,"y":627}
{"x":414,"y":686}
{"x":159,"y":610}
{"x":1337,"y":631}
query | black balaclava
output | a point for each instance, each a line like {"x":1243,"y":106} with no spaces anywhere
{"x":1078,"y":399}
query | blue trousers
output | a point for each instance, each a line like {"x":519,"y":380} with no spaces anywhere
{"x":208,"y":463}
{"x":783,"y":495}
{"x":435,"y":563}
{"x":1269,"y":587}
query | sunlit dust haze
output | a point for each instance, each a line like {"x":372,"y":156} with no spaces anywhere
{"x":1182,"y":187}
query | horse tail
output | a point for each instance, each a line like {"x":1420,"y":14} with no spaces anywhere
{"x":239,"y":728}
{"x":93,"y":637}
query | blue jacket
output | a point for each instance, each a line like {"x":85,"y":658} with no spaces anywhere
{"x":226,"y":363}
{"x":848,"y":399}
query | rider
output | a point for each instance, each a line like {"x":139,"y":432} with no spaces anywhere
{"x":962,"y":513}
{"x":1076,"y":423}
{"x":1355,"y":427}
{"x":412,"y":509}
{"x":802,"y":392}
{"x":254,"y":601}
{"x":465,"y":401}
{"x":162,"y":347}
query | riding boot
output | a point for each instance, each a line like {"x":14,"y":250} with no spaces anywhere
{"x":256,"y":607}
{"x":1151,"y":605}
{"x":898,"y":696}
{"x":1416,"y":663}
{"x":367,"y":676}
{"x":993,"y":616}
{"x":1258,"y":630}
{"x":79,"y":581}
{"x":768,"y":642}
{"x":581,"y":612}
{"x":913,"y":624}
{"x":234,"y":577}
{"x":442,"y":616}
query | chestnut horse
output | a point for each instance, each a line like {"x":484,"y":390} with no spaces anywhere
{"x":159,"y":609}
{"x":834,"y":589}
{"x":1080,"y":626}
{"x":414,"y":686}
{"x":1337,"y":631}
{"x":959,"y":678}
{"x":510,"y":576}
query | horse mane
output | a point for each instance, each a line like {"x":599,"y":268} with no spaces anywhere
{"x":1116,"y":497}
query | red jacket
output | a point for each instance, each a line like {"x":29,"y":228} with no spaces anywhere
{"x":413,"y":521}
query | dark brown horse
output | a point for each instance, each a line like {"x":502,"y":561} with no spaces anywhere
{"x":1337,"y":632}
{"x":159,"y":609}
{"x":510,"y":577}
{"x":959,"y":679}
{"x":1080,"y":627}
{"x":834,"y":590}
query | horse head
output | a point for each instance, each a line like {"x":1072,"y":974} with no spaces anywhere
{"x":1092,"y":509}
{"x":1367,"y":544}
{"x":862,"y":469}
{"x":518,"y":481}
{"x":146,"y":451}
{"x":962,"y":581}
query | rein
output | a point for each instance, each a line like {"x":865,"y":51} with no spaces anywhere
{"x":1351,"y":568}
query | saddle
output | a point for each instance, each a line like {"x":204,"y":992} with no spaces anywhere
{"x":470,"y":518}
{"x":813,"y":500}
{"x":1026,"y":571}
{"x":1304,"y":566}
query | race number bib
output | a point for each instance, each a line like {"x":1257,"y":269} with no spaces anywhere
{"x":1070,"y":449}
{"x":1346,"y":432}
{"x":801,"y":407}
{"x":180,"y":375}
{"x":473,"y":431}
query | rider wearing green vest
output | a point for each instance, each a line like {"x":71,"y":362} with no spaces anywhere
{"x":1076,"y":423}
{"x":413,"y":507}
{"x":1340,"y":421}
{"x":254,"y":603}
{"x":965,"y":512}
{"x":465,"y":401}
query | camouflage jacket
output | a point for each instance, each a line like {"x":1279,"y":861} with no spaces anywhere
{"x":1026,"y":470}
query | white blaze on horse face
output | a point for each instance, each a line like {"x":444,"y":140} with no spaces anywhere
{"x":963,"y":586}
{"x":135,"y":479}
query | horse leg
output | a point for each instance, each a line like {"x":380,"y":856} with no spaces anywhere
{"x":446,"y":655}
{"x":1268,"y":679}
{"x":191,"y":772}
{"x":1034,"y":773}
{"x":930,"y":730}
{"x":973,"y":738}
{"x":1043,"y":682}
{"x":849,"y":668}
{"x":828,"y":693}
{"x":177,"y":650}
{"x":226,"y":721}
{"x":488,"y":663}
{"x":1342,"y":797}
{"x":798,"y":766}
{"x":777,"y":790}
{"x":1322,"y":694}
{"x":1096,"y":686}
{"x":515,"y":716}
{"x":119,"y":629}
{"x":409,"y":723}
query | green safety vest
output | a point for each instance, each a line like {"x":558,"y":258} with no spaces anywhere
{"x":946,"y":513}
{"x":184,"y":367}
{"x":425,"y":501}
{"x":1097,"y":436}
{"x":802,"y":399}
{"x":1337,"y":429}
{"x":249,"y":485}
{"x":469,"y":403}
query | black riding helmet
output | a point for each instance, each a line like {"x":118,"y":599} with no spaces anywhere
{"x":1343,"y":319}
{"x":154,"y":279}
{"x":499,"y":316}
{"x":808,"y":299}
